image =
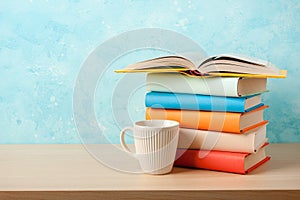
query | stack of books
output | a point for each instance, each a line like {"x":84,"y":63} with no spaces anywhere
{"x":218,"y":132}
{"x":218,"y":106}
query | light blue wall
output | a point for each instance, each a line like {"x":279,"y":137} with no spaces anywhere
{"x":44,"y":43}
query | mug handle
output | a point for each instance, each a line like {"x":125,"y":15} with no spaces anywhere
{"x":122,"y":140}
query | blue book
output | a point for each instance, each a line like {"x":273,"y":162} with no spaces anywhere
{"x":202,"y":102}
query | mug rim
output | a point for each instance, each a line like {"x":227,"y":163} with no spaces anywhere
{"x":171,"y":125}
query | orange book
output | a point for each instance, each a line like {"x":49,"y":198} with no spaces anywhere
{"x":215,"y":121}
{"x":240,"y":163}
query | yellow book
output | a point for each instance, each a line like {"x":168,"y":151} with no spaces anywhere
{"x":220,"y":65}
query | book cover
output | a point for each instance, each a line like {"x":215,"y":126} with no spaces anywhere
{"x":225,"y":161}
{"x":202,"y":102}
{"x":248,"y":142}
{"x":215,"y":121}
{"x":215,"y":86}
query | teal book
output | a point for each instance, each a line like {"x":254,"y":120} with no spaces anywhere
{"x":186,"y":101}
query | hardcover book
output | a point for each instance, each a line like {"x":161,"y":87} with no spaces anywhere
{"x":248,"y":142}
{"x":186,"y":101}
{"x":215,"y":121}
{"x":219,"y":65}
{"x":216,"y":86}
{"x":234,"y":162}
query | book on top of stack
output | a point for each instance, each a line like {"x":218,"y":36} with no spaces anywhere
{"x":230,"y":65}
{"x":218,"y":106}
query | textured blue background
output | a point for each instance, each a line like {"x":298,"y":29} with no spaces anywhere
{"x":44,"y":43}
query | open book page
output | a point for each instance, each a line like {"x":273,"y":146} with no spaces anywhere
{"x":281,"y":74}
{"x":238,"y":57}
{"x":195,"y":57}
{"x":182,"y":62}
{"x":233,"y":63}
{"x":163,"y":62}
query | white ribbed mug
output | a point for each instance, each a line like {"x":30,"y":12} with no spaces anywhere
{"x":155,"y":144}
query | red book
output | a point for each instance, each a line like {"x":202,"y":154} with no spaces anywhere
{"x":235,"y":162}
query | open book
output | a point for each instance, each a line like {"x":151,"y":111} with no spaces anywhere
{"x":220,"y":65}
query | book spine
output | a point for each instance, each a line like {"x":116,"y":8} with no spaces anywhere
{"x":177,"y":83}
{"x":211,"y":140}
{"x":203,"y":120}
{"x":212,"y":160}
{"x":194,"y":102}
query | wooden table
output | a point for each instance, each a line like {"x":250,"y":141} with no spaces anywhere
{"x":69,"y":172}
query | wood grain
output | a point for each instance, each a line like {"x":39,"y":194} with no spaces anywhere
{"x":69,"y":172}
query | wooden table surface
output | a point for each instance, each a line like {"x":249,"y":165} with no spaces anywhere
{"x":68,"y":171}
